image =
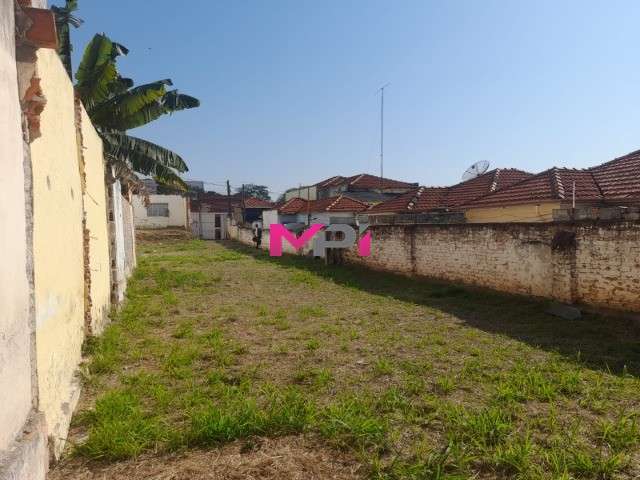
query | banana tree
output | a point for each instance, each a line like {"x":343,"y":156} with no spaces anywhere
{"x":64,"y":19}
{"x":115,"y":106}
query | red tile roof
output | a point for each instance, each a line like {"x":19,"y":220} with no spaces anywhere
{"x":335,"y":180}
{"x":432,"y":198}
{"x":619,"y":179}
{"x":212,"y":202}
{"x":363,"y":181}
{"x":490,"y":181}
{"x":340,"y":203}
{"x":218,"y":203}
{"x":293,"y":206}
{"x":553,"y":184}
{"x":253,"y":202}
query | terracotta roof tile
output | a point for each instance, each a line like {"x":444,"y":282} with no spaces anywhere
{"x":550,"y":185}
{"x":433,"y":198}
{"x":619,"y":179}
{"x":364,"y":180}
{"x":335,"y":180}
{"x":340,"y":203}
{"x":214,"y":202}
{"x":293,"y":206}
{"x":253,"y":202}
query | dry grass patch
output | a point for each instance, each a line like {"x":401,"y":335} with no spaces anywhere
{"x":392,"y":377}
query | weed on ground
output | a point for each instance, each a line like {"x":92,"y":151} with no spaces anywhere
{"x":220,"y":348}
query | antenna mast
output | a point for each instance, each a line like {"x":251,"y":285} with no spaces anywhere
{"x":382,"y":134}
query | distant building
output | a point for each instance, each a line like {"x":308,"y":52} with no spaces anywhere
{"x":210,"y":211}
{"x":444,"y":200}
{"x":364,"y":187}
{"x":161,"y":211}
{"x":534,"y":199}
{"x":297,"y":213}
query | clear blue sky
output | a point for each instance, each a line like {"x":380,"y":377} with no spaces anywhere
{"x":288,"y":88}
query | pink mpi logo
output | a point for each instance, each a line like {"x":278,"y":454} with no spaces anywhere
{"x":279,"y":232}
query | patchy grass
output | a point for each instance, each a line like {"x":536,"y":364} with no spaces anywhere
{"x":219,"y":344}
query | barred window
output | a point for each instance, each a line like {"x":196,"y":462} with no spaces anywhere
{"x":158,"y":210}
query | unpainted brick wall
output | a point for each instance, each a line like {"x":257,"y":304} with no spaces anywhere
{"x":601,"y":268}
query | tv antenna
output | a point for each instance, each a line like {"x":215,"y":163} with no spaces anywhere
{"x":475,"y":170}
{"x":381,"y":90}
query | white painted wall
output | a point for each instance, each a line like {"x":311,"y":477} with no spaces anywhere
{"x":15,"y":349}
{"x":117,"y":235}
{"x":178,"y":216}
{"x":308,"y":193}
{"x":326,"y":217}
{"x":269,"y":217}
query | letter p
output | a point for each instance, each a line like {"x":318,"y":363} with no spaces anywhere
{"x":320,"y":243}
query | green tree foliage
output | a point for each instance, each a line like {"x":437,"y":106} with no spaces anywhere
{"x":253,"y":190}
{"x":115,"y":105}
{"x":64,"y":20}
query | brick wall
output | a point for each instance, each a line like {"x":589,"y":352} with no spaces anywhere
{"x":596,"y":264}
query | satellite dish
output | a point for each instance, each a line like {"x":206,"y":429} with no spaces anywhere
{"x":475,"y":170}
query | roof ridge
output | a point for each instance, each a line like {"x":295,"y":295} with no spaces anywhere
{"x":494,"y":184}
{"x":328,"y":209}
{"x":513,"y":185}
{"x":359,"y":176}
{"x":556,"y":183}
{"x":415,"y":198}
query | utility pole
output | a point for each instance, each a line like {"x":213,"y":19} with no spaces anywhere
{"x":382,"y":134}
{"x":242,"y":205}
{"x":229,"y":198}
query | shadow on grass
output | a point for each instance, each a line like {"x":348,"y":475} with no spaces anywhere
{"x":601,"y":342}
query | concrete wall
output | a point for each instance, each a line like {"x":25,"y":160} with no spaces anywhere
{"x":117,"y":247}
{"x":57,"y":249}
{"x":97,"y":233}
{"x":308,"y":193}
{"x":269,"y":217}
{"x":128,"y":229}
{"x":178,"y":216}
{"x":596,"y":264}
{"x":513,"y":213}
{"x":15,"y":322}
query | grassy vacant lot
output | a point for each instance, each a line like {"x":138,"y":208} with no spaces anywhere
{"x":227,"y":363}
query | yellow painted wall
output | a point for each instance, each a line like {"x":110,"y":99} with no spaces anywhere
{"x":57,"y":249}
{"x":95,"y":206}
{"x":512,"y":213}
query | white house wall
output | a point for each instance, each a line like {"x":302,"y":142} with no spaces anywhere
{"x":177,"y":212}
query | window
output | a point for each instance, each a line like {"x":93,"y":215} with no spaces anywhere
{"x":158,"y":210}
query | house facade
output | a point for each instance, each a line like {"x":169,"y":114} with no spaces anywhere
{"x":298,"y":213}
{"x":211,"y":212}
{"x":364,"y":187}
{"x":161,"y":211}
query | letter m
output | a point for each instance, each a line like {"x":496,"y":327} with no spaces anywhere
{"x":277,"y":232}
